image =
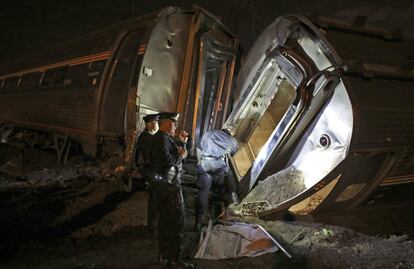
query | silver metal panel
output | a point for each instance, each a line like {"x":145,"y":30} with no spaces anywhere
{"x":159,"y":82}
{"x":257,"y":54}
{"x":369,"y":114}
{"x":315,"y":133}
{"x":335,"y":123}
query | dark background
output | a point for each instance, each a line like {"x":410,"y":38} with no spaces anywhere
{"x":29,"y":26}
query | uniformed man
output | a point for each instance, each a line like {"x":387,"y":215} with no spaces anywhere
{"x":215,"y":148}
{"x":142,"y":160}
{"x":144,"y":140}
{"x":166,"y":159}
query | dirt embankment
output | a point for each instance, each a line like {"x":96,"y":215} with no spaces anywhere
{"x":318,"y":245}
{"x":276,"y":188}
{"x":74,"y":217}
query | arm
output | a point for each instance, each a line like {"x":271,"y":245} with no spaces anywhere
{"x":234,"y":147}
{"x":138,"y":152}
{"x":166,"y":158}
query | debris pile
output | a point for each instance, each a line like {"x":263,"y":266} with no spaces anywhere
{"x":277,"y":188}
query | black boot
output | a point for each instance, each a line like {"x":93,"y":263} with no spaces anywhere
{"x":187,"y":263}
{"x":178,"y":264}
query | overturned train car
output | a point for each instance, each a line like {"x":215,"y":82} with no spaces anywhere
{"x":95,"y":89}
{"x":332,"y":102}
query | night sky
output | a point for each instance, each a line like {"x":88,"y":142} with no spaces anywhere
{"x":29,"y":26}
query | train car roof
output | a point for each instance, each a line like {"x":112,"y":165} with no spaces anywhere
{"x":98,"y":41}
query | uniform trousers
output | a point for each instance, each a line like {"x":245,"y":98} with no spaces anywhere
{"x":171,"y":219}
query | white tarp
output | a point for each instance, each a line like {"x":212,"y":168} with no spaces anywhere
{"x":234,"y":240}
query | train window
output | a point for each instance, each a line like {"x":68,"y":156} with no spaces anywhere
{"x":47,"y":78}
{"x":77,"y":76}
{"x":10,"y":83}
{"x":23,"y":80}
{"x":19,"y":84}
{"x":95,"y":70}
{"x":96,"y":67}
{"x":54,"y":77}
{"x":30,"y":80}
{"x":59,"y":76}
{"x":85,"y":75}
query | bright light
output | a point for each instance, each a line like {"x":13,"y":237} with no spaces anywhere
{"x":312,"y":157}
{"x":318,"y":163}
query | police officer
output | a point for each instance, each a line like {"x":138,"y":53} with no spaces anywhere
{"x":144,"y":140}
{"x":142,"y":160}
{"x":214,"y":149}
{"x":166,"y":159}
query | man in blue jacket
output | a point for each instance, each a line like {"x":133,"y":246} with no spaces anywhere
{"x":215,"y":148}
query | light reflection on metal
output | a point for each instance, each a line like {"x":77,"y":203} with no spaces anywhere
{"x":260,"y":88}
{"x":271,"y":144}
{"x":335,"y":121}
{"x":350,"y":192}
{"x":315,"y":132}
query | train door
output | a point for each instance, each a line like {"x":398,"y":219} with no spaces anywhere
{"x":115,"y":92}
{"x":205,"y":96}
{"x":266,"y":114}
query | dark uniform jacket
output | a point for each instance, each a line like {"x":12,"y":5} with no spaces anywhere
{"x":164,"y":153}
{"x":142,"y":155}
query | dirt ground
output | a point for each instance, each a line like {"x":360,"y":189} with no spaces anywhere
{"x":74,"y":217}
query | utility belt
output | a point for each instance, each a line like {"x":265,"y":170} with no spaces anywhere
{"x":223,"y":158}
{"x":211,"y":164}
{"x":172,"y":177}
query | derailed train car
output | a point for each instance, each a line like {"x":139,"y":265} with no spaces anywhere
{"x":331,"y":102}
{"x":326,"y":98}
{"x":95,"y":89}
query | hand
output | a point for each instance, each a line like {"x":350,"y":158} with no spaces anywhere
{"x":136,"y":174}
{"x":183,"y":136}
{"x":182,"y":152}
